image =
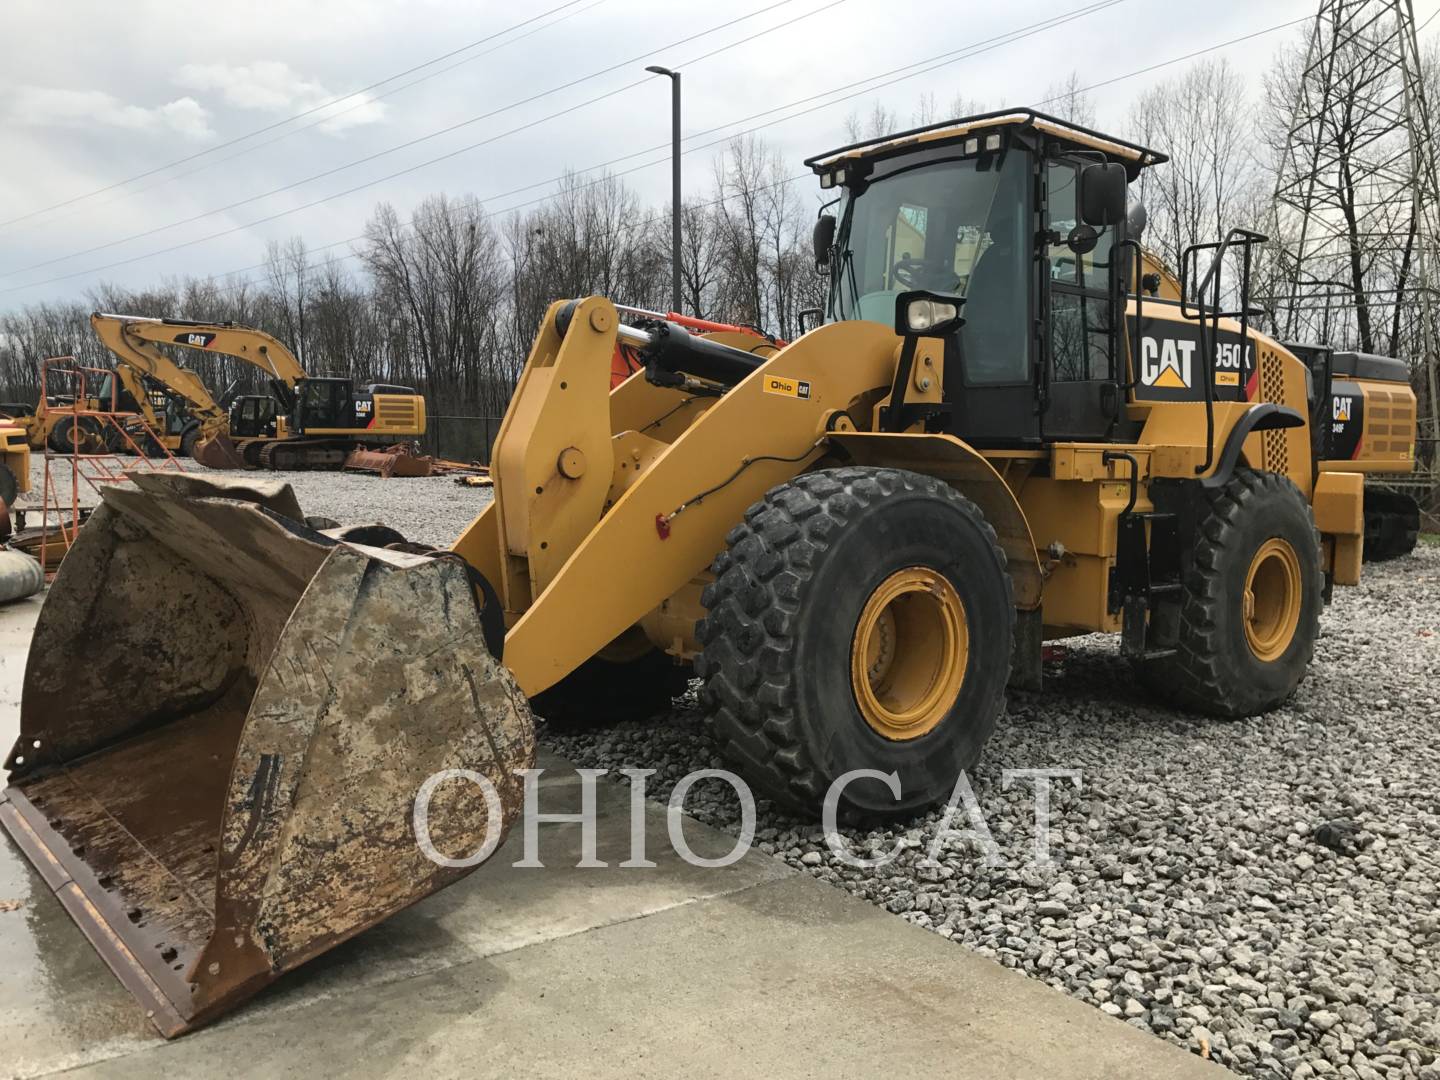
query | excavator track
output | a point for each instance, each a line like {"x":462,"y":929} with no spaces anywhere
{"x":288,"y":455}
{"x":1392,"y":524}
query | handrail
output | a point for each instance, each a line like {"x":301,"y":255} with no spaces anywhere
{"x":1209,"y":320}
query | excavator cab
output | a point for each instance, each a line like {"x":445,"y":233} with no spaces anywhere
{"x":253,"y":416}
{"x":324,"y":403}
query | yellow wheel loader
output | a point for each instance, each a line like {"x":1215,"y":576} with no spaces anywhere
{"x":14,"y":463}
{"x":54,"y":421}
{"x":306,"y":422}
{"x":1000,"y":434}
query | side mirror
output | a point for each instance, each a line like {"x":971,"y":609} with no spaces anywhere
{"x":824,"y":238}
{"x":1102,"y":194}
{"x":1083,"y":239}
{"x":922,"y":313}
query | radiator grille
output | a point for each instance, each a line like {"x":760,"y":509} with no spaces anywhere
{"x":396,"y":413}
{"x":1389,"y":422}
{"x":1272,"y":388}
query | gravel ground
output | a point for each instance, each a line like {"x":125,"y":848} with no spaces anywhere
{"x":1263,"y":891}
{"x":1190,"y":892}
{"x":431,"y":510}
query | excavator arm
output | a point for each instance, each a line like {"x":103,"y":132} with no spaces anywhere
{"x":132,"y":334}
{"x":133,"y":339}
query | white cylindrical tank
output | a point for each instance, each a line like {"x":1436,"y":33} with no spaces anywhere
{"x":20,"y":575}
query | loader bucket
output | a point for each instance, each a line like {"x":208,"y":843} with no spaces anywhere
{"x":218,"y":452}
{"x":225,"y":722}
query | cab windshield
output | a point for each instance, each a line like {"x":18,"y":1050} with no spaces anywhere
{"x":952,"y":226}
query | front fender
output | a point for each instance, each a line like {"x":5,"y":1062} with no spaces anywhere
{"x":965,"y":469}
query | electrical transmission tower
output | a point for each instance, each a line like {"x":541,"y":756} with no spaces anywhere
{"x":1357,"y":203}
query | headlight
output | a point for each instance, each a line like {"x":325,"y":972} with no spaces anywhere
{"x":922,"y":314}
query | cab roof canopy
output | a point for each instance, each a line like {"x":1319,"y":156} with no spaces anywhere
{"x":1132,"y":155}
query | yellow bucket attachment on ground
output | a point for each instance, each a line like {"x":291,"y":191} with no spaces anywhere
{"x":226,"y":719}
{"x":219,"y":451}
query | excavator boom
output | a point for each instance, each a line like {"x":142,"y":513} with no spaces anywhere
{"x":133,"y":341}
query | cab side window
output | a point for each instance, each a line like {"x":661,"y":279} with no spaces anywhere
{"x":1079,"y":302}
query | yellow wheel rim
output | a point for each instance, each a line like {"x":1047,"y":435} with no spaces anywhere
{"x":909,"y":653}
{"x":1272,"y":599}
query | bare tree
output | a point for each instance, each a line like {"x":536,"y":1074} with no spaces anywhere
{"x":1069,"y":100}
{"x":1202,"y":121}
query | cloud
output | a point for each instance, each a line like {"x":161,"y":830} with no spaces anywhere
{"x":48,"y":106}
{"x":273,"y":86}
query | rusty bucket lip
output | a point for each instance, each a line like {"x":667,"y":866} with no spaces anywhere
{"x":96,"y":913}
{"x":183,"y":970}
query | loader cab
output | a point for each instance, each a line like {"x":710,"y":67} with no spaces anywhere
{"x":992,"y":210}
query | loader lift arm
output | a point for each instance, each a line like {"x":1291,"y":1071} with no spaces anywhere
{"x":853,"y":541}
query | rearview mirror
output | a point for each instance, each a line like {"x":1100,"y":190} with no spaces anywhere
{"x":824,"y":238}
{"x":922,"y":313}
{"x":1102,"y":194}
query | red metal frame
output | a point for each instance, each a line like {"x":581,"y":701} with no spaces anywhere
{"x":96,"y":469}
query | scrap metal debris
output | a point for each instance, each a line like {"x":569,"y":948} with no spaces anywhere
{"x":405,"y":459}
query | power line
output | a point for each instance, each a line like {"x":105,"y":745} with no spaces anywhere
{"x":281,"y":123}
{"x":330,"y":118}
{"x":793,"y":179}
{"x":968,"y":51}
{"x":432,"y":135}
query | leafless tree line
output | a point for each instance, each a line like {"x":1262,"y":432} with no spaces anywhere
{"x":448,"y":301}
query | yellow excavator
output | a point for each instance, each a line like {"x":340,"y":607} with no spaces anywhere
{"x":306,"y":422}
{"x":999,"y":434}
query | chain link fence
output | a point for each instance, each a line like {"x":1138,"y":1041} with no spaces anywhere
{"x":461,"y":438}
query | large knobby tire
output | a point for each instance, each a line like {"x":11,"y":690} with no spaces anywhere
{"x":9,"y":486}
{"x":1250,"y":610}
{"x":188,"y":438}
{"x":601,"y":692}
{"x":63,"y":439}
{"x":860,"y":618}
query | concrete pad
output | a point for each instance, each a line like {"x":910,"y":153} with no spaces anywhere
{"x":17,"y":621}
{"x":618,"y":971}
{"x":65,"y":1008}
{"x":789,"y":978}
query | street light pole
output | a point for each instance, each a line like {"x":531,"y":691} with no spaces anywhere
{"x":674,"y":77}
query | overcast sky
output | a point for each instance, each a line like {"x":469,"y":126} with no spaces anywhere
{"x":93,"y":94}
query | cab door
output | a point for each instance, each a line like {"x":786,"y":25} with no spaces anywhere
{"x":1082,"y":402}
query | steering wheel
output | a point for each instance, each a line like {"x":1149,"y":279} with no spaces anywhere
{"x":906,"y":269}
